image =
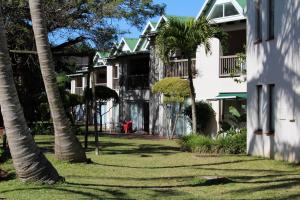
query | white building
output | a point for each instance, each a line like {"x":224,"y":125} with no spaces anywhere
{"x":273,"y":79}
{"x":215,"y":71}
{"x":139,"y":67}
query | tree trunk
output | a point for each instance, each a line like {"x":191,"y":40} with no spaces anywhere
{"x":95,"y":112}
{"x":87,"y":108}
{"x":192,"y":95}
{"x":67,"y":146}
{"x":30,"y":164}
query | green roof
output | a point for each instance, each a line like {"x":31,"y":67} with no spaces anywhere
{"x":243,"y":3}
{"x":153,"y":23}
{"x":232,"y":95}
{"x":181,"y":18}
{"x":104,"y":54}
{"x":131,"y":42}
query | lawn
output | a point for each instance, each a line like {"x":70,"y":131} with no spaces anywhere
{"x":157,"y":169}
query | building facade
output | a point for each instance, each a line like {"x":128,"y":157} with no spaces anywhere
{"x":273,"y":79}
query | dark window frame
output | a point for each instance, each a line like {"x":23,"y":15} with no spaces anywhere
{"x":271,"y":20}
{"x":258,"y":21}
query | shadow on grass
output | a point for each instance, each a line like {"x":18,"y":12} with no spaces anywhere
{"x":188,"y":166}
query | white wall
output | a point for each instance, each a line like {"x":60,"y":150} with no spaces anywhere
{"x":207,"y":83}
{"x":275,"y":62}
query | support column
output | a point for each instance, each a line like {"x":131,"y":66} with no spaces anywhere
{"x":154,"y":98}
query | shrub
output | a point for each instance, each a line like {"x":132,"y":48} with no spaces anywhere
{"x":205,"y":114}
{"x":196,"y":143}
{"x":232,"y":143}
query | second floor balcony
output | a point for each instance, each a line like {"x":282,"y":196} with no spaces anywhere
{"x":179,"y":68}
{"x":231,"y":66}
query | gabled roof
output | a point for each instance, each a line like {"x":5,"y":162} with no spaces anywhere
{"x":103,"y":54}
{"x":131,"y":42}
{"x":165,"y":18}
{"x":208,"y":5}
{"x":141,"y":42}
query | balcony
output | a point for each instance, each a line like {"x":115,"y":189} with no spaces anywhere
{"x":179,"y":68}
{"x":137,"y":82}
{"x":231,"y":66}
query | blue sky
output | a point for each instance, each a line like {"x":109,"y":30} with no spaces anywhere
{"x":174,"y":7}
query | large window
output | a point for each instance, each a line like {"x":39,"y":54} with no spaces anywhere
{"x":78,"y":81}
{"x":223,"y":10}
{"x":271,"y":19}
{"x":259,"y":107}
{"x":258,"y":31}
{"x":271,"y":114}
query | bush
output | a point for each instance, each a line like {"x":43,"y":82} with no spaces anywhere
{"x":205,"y":114}
{"x":196,"y":143}
{"x":232,"y":143}
{"x":45,"y":128}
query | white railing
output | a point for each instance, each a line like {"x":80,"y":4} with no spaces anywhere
{"x":231,"y":66}
{"x":179,"y":68}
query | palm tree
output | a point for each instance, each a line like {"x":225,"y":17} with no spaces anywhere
{"x":67,"y":146}
{"x":30,"y":164}
{"x":185,"y":36}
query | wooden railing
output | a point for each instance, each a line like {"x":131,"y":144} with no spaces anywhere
{"x":231,"y":66}
{"x":179,"y":68}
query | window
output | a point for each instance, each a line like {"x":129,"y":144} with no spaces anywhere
{"x":115,"y":71}
{"x":270,"y":19}
{"x":259,"y":107}
{"x":271,"y":114}
{"x":101,"y":76}
{"x":78,"y":82}
{"x":258,"y":20}
{"x":223,"y":10}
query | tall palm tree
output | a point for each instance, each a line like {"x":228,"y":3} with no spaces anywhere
{"x":67,"y":146}
{"x":30,"y":164}
{"x":185,"y":36}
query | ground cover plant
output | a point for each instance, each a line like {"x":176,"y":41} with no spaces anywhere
{"x":130,"y":168}
{"x":231,"y":142}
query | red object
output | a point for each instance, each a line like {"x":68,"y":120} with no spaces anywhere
{"x":127,"y":126}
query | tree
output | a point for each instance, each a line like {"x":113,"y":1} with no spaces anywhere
{"x":96,"y":96}
{"x":67,"y":146}
{"x":30,"y":164}
{"x":69,"y":22}
{"x":175,"y":91}
{"x":185,"y":36}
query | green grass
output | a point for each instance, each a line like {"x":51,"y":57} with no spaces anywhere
{"x":156,"y":169}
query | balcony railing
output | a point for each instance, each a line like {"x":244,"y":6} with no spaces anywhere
{"x":79,"y":91}
{"x":231,"y":66}
{"x":137,"y":82}
{"x":179,"y":68}
{"x":101,"y":84}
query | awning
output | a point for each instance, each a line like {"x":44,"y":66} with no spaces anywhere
{"x":231,"y":95}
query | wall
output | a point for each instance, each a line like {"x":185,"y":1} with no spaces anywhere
{"x":275,"y":62}
{"x":207,"y":83}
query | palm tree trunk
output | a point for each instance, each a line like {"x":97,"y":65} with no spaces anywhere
{"x":192,"y":95}
{"x":87,"y":107}
{"x":67,"y":146}
{"x":30,"y":164}
{"x":95,"y":112}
